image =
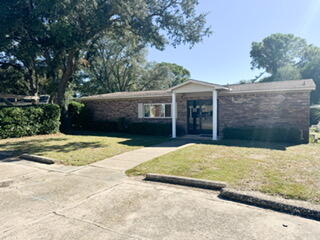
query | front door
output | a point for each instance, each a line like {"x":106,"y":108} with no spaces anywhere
{"x":199,"y":116}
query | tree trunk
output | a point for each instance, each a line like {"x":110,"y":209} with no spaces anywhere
{"x":66,"y":77}
{"x":63,"y":84}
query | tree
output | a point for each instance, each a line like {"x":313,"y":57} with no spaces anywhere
{"x":276,"y":51}
{"x":179,"y":74}
{"x":59,"y":31}
{"x":113,"y":65}
{"x":287,"y":57}
{"x":287,"y":72}
{"x":12,"y":81}
{"x":162,"y":76}
{"x":312,"y":70}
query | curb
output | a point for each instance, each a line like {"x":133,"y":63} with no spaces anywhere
{"x":5,"y":183}
{"x":192,"y":182}
{"x":270,"y":203}
{"x":38,"y":159}
{"x":298,"y":208}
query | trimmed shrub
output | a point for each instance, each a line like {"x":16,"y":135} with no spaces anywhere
{"x":287,"y":135}
{"x":29,"y":120}
{"x":79,"y":115}
{"x":314,"y":116}
{"x":140,"y":128}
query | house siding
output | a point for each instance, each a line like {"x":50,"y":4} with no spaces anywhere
{"x":272,"y":109}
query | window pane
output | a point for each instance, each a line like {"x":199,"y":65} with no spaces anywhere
{"x":147,"y":111}
{"x":157,"y":110}
{"x":168,"y":110}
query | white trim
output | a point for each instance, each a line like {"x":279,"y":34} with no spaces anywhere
{"x":214,"y":115}
{"x":174,"y":115}
{"x":206,"y":84}
{"x":140,"y":110}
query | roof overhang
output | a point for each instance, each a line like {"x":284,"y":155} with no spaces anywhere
{"x":192,"y":86}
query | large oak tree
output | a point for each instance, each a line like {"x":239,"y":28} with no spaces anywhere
{"x":56,"y":32}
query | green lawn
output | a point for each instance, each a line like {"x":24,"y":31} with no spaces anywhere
{"x":78,"y":149}
{"x":288,"y":171}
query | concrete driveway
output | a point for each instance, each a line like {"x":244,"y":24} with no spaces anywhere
{"x":91,"y":202}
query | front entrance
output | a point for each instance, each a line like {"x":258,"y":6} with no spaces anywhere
{"x":199,"y":116}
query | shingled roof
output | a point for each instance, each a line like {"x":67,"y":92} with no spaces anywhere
{"x":292,"y":85}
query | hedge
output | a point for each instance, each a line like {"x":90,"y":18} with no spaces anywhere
{"x":314,"y":116}
{"x":142,"y":128}
{"x":79,"y":115}
{"x":29,"y":120}
{"x":287,"y":135}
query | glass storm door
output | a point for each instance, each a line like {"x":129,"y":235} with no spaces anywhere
{"x":199,"y":116}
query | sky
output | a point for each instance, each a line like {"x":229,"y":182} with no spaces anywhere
{"x":224,"y":57}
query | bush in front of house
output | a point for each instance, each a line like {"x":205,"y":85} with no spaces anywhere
{"x":286,"y":135}
{"x":29,"y":120}
{"x":314,"y":116}
{"x":79,"y":115}
{"x":139,"y":128}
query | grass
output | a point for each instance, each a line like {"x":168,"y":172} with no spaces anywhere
{"x":289,"y":171}
{"x":78,"y":149}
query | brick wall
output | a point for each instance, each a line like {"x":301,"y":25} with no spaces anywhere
{"x":282,"y":109}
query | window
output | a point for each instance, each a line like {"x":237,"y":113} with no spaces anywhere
{"x":157,"y":110}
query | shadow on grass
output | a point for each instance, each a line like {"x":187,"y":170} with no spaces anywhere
{"x":251,"y":144}
{"x":41,"y":146}
{"x":131,"y":140}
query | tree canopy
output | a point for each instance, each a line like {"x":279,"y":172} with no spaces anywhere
{"x":47,"y":38}
{"x":287,"y":57}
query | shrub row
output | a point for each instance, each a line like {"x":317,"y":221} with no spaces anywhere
{"x":143,"y":128}
{"x":314,"y":116}
{"x":80,"y":118}
{"x":29,"y":120}
{"x":288,"y":135}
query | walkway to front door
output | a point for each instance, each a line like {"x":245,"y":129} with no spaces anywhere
{"x":133,"y":158}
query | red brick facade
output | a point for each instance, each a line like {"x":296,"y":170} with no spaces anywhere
{"x":276,"y":109}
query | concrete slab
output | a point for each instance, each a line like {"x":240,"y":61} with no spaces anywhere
{"x":61,"y":189}
{"x":17,"y":209}
{"x":158,"y":213}
{"x":102,"y":203}
{"x":102,"y":174}
{"x":59,"y":227}
{"x":11,"y":171}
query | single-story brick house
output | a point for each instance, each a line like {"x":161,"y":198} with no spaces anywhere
{"x":200,"y":107}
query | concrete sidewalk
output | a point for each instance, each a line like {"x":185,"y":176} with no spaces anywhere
{"x":80,"y":203}
{"x":133,"y":158}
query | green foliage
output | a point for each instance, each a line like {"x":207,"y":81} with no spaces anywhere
{"x":49,"y":37}
{"x":277,"y":50}
{"x":287,"y":135}
{"x":311,"y":70}
{"x":79,"y":115}
{"x":125,"y":126}
{"x":162,"y":76}
{"x":28,"y":121}
{"x":287,"y":72}
{"x":287,"y":57}
{"x":117,"y":64}
{"x":314,"y":116}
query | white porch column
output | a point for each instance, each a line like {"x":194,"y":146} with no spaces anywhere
{"x":214,"y":115}
{"x":173,"y":115}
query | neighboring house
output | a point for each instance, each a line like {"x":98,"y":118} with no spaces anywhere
{"x":200,"y":107}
